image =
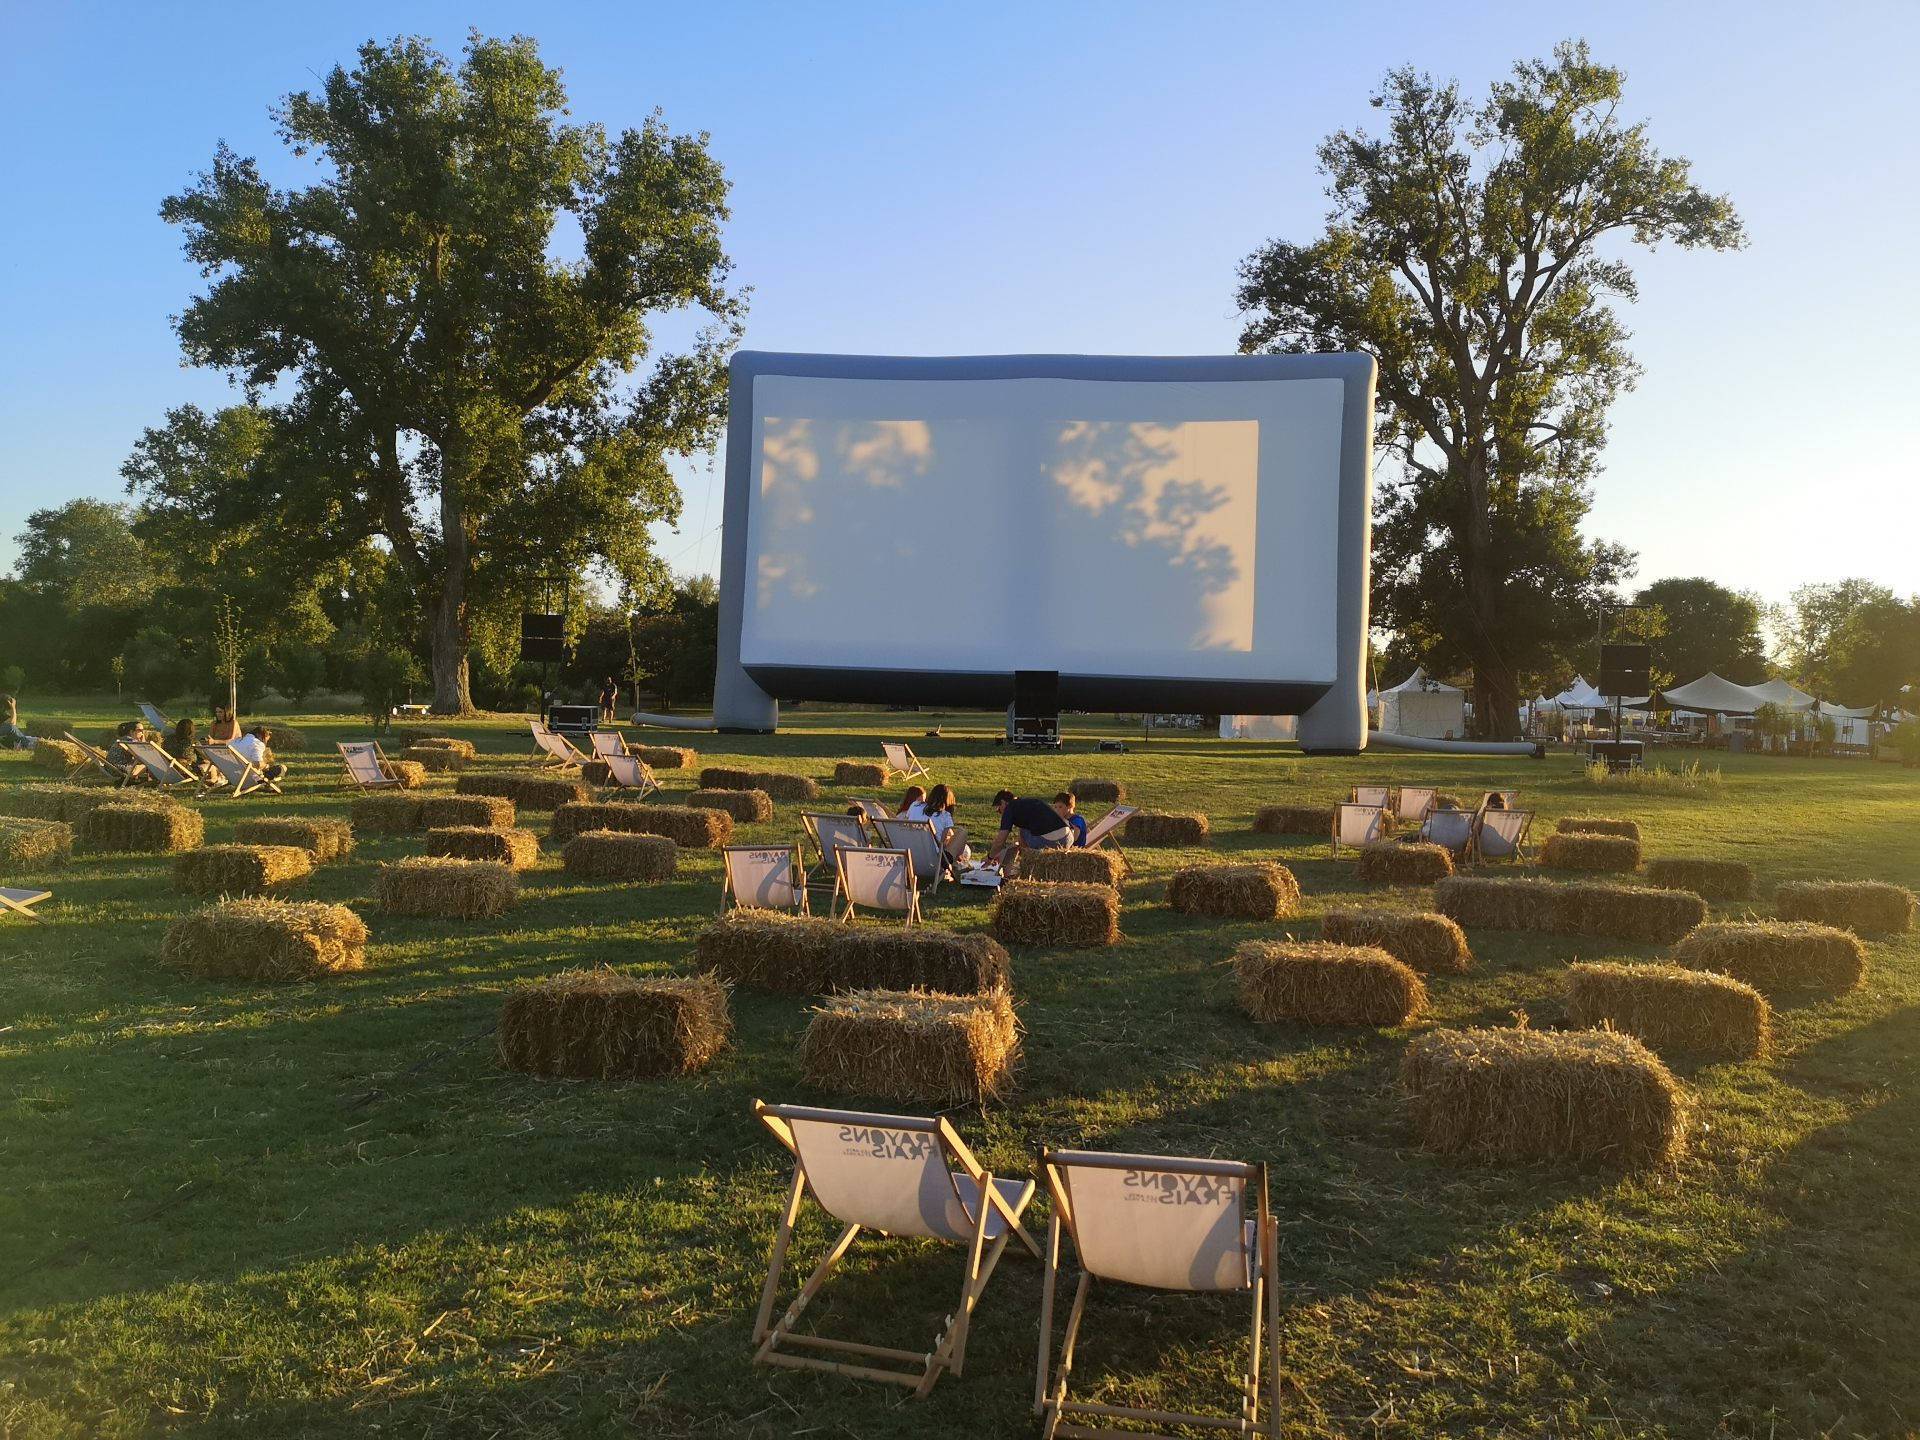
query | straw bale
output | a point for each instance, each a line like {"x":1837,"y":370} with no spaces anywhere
{"x":877,"y":958}
{"x":1496,"y":902}
{"x":267,"y":940}
{"x":410,"y":774}
{"x":1093,"y":867}
{"x":1243,"y":892}
{"x":58,"y":756}
{"x":406,"y":735}
{"x":1671,"y":1008}
{"x":240,"y":869}
{"x":1777,"y":956}
{"x":1161,"y":827}
{"x":1586,"y":1096}
{"x":912,"y":1045}
{"x":726,"y":777}
{"x":1866,"y":907}
{"x":666,"y":757}
{"x":1316,"y":983}
{"x":768,"y":950}
{"x":859,"y":772}
{"x":484,"y":810}
{"x":1598,"y":825}
{"x":288,"y":740}
{"x":1710,"y":879}
{"x":528,"y":789}
{"x":600,"y":1025}
{"x":1294,"y":820}
{"x":463,"y":749}
{"x":1097,"y":792}
{"x":150,"y":826}
{"x":1056,"y":912}
{"x":44,"y":801}
{"x":747,"y":806}
{"x":1422,"y":939}
{"x":27,"y":845}
{"x":1395,"y":862}
{"x":324,"y":839}
{"x":779,"y":786}
{"x":1590,"y":850}
{"x":449,"y":889}
{"x":385,"y":812}
{"x":1626,"y":912}
{"x":436,"y":758}
{"x":519,"y":849}
{"x":620,"y":855}
{"x":686,"y":826}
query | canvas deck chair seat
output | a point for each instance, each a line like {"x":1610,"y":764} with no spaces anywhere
{"x":1108,"y":827}
{"x":21,"y":902}
{"x":872,"y":809}
{"x":917,"y":838}
{"x":367,"y":767}
{"x":893,"y":1175}
{"x":876,"y":879}
{"x":830,"y":834}
{"x":607,"y":743}
{"x":1380,"y":796}
{"x":629,"y":772}
{"x":1412,"y":802}
{"x":1451,"y":829}
{"x":554,"y":749}
{"x":903,"y":762}
{"x":1355,"y":826}
{"x":151,"y":714}
{"x":763,"y":877}
{"x":162,"y":769}
{"x":241,"y":776}
{"x":121,"y":775}
{"x":1502,"y":834}
{"x":1161,"y":1223}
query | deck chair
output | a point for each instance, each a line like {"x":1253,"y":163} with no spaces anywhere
{"x":554,"y":749}
{"x":607,"y":743}
{"x":121,"y":775}
{"x":629,"y":772}
{"x":366,"y":765}
{"x":902,"y":761}
{"x":875,"y":809}
{"x":828,"y":834}
{"x":162,"y":769}
{"x":895,"y":1175}
{"x":1412,"y":802}
{"x":916,"y":837}
{"x":1107,"y":827}
{"x":1451,"y":829}
{"x":1379,"y":795}
{"x":1502,"y":834}
{"x":151,"y":714}
{"x":1508,"y":798}
{"x":763,"y":877}
{"x":1357,"y":825}
{"x":21,"y":902}
{"x":1163,"y":1224}
{"x":243,"y":777}
{"x":877,"y":879}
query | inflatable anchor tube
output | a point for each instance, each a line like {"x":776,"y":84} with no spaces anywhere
{"x":674,"y":722}
{"x":1455,"y":747}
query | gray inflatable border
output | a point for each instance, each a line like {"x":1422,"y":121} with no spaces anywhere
{"x":1334,"y":723}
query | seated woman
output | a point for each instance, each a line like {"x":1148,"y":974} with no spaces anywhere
{"x":937,"y":810}
{"x":180,"y":745}
{"x":915,"y":795}
{"x":12,"y":737}
{"x":225,"y":729}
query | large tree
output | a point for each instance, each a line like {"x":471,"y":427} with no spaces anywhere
{"x":1853,"y":641}
{"x":1473,"y":249}
{"x":446,"y":379}
{"x":1706,"y":627}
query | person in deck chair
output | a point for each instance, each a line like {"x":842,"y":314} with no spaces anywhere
{"x":1069,"y":807}
{"x":253,"y":745}
{"x":1038,"y":825}
{"x":12,"y":737}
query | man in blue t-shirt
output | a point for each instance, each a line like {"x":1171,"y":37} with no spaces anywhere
{"x":1065,"y":803}
{"x":1039,"y":825}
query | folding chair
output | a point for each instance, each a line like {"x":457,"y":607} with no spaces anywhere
{"x":874,"y":809}
{"x":366,"y":765}
{"x":1380,"y":795}
{"x":902,"y":761}
{"x":607,"y":743}
{"x":1357,"y":825}
{"x":1107,"y":827}
{"x":878,"y":879}
{"x":763,"y":877}
{"x":1452,"y":829}
{"x":1164,"y":1224}
{"x":121,"y":775}
{"x":1502,"y":834}
{"x":916,"y":837}
{"x":243,"y":777}
{"x":554,"y":748}
{"x":153,"y":717}
{"x":1411,"y":803}
{"x":629,"y":772}
{"x":830,"y":833}
{"x":896,"y":1175}
{"x":21,"y":902}
{"x":166,"y":772}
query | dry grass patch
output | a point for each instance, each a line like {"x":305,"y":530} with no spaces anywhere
{"x":1581,"y":850}
{"x":519,"y":849}
{"x":1777,"y":956}
{"x":323,"y":839}
{"x":1394,"y":862}
{"x":1586,"y":1095}
{"x":447,"y":889}
{"x":768,"y":950}
{"x":149,"y":827}
{"x":444,"y":811}
{"x":267,"y":940}
{"x":1671,"y":1008}
{"x":27,"y":845}
{"x":686,"y":826}
{"x":528,"y":790}
{"x":859,"y":772}
{"x":385,"y":812}
{"x":1165,"y":827}
{"x":1866,"y":907}
{"x":621,"y":855}
{"x":1598,"y":825}
{"x":1424,"y":940}
{"x":601,"y":1025}
{"x":1315,"y":983}
{"x":913,"y":1045}
{"x":876,"y":958}
{"x":1097,"y":792}
{"x":745,"y":806}
{"x":1241,"y":892}
{"x":1316,"y":820}
{"x":1710,"y":879}
{"x":240,"y":869}
{"x":1087,"y":867}
{"x":1056,"y":912}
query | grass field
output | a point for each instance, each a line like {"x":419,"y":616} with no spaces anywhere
{"x":322,"y":1208}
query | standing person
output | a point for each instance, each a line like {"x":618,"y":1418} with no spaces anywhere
{"x":1068,"y":806}
{"x":253,"y":746}
{"x":609,"y":698}
{"x":225,"y":728}
{"x":1036,"y":824}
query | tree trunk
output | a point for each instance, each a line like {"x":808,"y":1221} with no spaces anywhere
{"x":451,"y":673}
{"x":1496,"y":703}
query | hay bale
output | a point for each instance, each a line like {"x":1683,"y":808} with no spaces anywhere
{"x":859,"y":772}
{"x":768,"y":950}
{"x":1316,"y":820}
{"x":600,"y":1025}
{"x":434,"y":759}
{"x":862,"y":958}
{"x":1162,"y":827}
{"x":240,"y":869}
{"x":1056,"y":912}
{"x":407,"y":735}
{"x":1671,"y":1008}
{"x":1089,"y":867}
{"x":527,"y":789}
{"x":726,"y":777}
{"x":60,"y":757}
{"x":410,"y":774}
{"x":446,"y":744}
{"x":1711,"y":879}
{"x":1598,"y":825}
{"x":385,"y":812}
{"x":150,"y":827}
{"x":1626,"y":912}
{"x":1316,"y":983}
{"x":912,"y":1045}
{"x":620,"y":855}
{"x":1243,"y":892}
{"x":34,"y":844}
{"x":41,"y":801}
{"x":666,"y":757}
{"x":777,"y":785}
{"x":1584,"y":850}
{"x":1395,"y":862}
{"x":448,"y":889}
{"x":267,"y":940}
{"x":323,"y":839}
{"x":443,"y":811}
{"x":1586,"y":1095}
{"x":1496,"y":903}
{"x":690,"y":828}
{"x":747,"y":806}
{"x":1777,"y":956}
{"x":518,"y":849}
{"x":1097,"y":792}
{"x":1866,"y":907}
{"x":1424,"y":940}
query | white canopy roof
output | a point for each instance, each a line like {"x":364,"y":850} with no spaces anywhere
{"x":1779,"y":692}
{"x":1712,"y":694}
{"x":1420,"y":680}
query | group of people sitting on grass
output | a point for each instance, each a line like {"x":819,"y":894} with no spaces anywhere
{"x":181,"y":743}
{"x":1024,"y":820}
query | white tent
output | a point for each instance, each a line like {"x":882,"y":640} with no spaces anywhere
{"x":1711,"y":694}
{"x":1257,"y":727}
{"x":1851,"y":727}
{"x":1779,"y":692}
{"x":1422,"y":706}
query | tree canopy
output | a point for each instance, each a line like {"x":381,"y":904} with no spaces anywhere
{"x":1853,"y":640}
{"x":1705,"y":626}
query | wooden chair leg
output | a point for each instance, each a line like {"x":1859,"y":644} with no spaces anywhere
{"x":1052,"y":1263}
{"x":807,"y":1291}
{"x":1273,"y":1325}
{"x":782,"y":1236}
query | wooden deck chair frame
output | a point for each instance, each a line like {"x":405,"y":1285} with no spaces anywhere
{"x":554,"y":749}
{"x":162,"y":769}
{"x":638,"y":775}
{"x":1051,"y":1401}
{"x":21,"y":902}
{"x":1385,"y":792}
{"x":607,"y":742}
{"x":1521,"y":835}
{"x":775,"y":1341}
{"x":122,"y":775}
{"x":810,"y":826}
{"x":151,"y":714}
{"x":349,"y":748}
{"x":1340,"y":810}
{"x":841,"y":907}
{"x":243,"y":777}
{"x":911,"y":831}
{"x":902,"y":761}
{"x":1400,"y":815}
{"x":796,"y":877}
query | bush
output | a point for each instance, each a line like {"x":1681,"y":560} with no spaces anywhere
{"x":1245,"y":892}
{"x":1689,"y":779}
{"x":1671,"y":1008}
{"x":599,"y":1025}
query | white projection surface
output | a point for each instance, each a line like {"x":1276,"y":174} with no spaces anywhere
{"x":1090,"y":527}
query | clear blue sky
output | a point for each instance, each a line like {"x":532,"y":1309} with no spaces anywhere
{"x":983,"y":178}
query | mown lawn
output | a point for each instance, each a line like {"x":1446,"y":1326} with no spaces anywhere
{"x":323,"y":1209}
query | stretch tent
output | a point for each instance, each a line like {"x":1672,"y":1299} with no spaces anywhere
{"x":1257,"y":727}
{"x":1424,"y":707}
{"x":1712,"y":694}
